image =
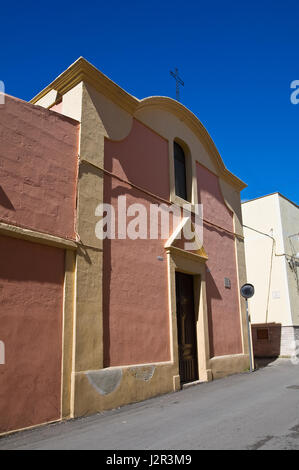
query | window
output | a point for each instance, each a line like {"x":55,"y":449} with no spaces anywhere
{"x":180,"y":171}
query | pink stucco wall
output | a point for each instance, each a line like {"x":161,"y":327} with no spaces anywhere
{"x":38,"y":168}
{"x":135,"y":285}
{"x":31,"y":302}
{"x":57,"y":107}
{"x":141,"y":158}
{"x":135,"y":289}
{"x":223,"y":303}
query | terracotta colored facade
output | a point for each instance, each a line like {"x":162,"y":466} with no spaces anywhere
{"x":135,"y":286}
{"x":223,"y":303}
{"x":38,"y":172}
{"x":114,"y":301}
{"x":135,"y":291}
{"x":31,"y":280}
{"x":38,"y":169}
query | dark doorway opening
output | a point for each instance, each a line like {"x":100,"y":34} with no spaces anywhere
{"x":186,"y":323}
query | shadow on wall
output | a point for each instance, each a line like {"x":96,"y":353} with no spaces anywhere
{"x":213,"y":293}
{"x":5,"y":201}
{"x":27,"y":257}
{"x":266,"y":340}
{"x":112,"y":194}
{"x":222,"y":303}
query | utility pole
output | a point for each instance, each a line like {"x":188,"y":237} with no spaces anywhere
{"x":249,"y":337}
{"x":247,"y":291}
{"x":178,"y":82}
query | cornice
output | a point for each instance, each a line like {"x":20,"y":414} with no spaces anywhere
{"x":36,"y":237}
{"x":83,"y":71}
{"x":186,"y":254}
{"x":185,"y":115}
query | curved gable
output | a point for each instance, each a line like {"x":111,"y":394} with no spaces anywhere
{"x":189,"y":120}
{"x":83,"y":71}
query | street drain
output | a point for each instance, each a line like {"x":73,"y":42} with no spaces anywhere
{"x":293,"y":387}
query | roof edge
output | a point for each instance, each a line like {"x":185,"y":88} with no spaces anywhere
{"x":82,"y":70}
{"x":277,"y":193}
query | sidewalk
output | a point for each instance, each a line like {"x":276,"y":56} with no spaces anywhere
{"x":245,"y":411}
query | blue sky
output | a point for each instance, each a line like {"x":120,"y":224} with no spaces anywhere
{"x":237,"y":60}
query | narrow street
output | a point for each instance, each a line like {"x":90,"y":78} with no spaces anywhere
{"x":257,"y":411}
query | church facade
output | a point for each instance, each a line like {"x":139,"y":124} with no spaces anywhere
{"x":146,"y":314}
{"x":150,"y":315}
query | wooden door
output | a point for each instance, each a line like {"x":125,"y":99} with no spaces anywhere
{"x":186,"y":323}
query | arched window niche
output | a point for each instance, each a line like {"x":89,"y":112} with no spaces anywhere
{"x":182,"y":170}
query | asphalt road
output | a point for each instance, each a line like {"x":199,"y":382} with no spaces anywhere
{"x":246,"y":411}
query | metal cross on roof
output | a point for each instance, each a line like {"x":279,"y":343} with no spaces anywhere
{"x":178,"y":81}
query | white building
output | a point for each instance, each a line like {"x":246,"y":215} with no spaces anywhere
{"x":271,"y":230}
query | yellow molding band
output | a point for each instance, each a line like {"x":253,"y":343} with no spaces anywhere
{"x":36,"y":237}
{"x":187,"y":254}
{"x":159,"y":198}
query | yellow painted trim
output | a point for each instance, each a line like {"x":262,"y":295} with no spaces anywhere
{"x":154,"y":196}
{"x":82,"y":70}
{"x":221,"y":366}
{"x":179,"y":260}
{"x":185,"y":115}
{"x":128,"y":366}
{"x":74,"y":339}
{"x":200,"y":252}
{"x":243,"y":324}
{"x":169,"y":288}
{"x":36,"y":237}
{"x":35,"y":426}
{"x":67,"y":336}
{"x":198,"y":257}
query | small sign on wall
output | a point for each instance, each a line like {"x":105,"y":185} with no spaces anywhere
{"x":227,"y":283}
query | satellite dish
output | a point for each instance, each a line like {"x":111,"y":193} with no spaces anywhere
{"x":247,"y":291}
